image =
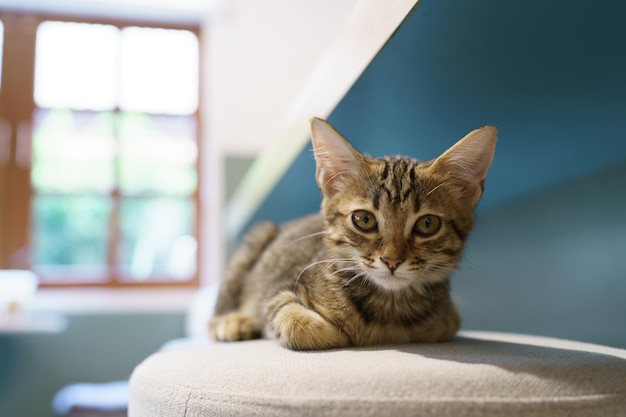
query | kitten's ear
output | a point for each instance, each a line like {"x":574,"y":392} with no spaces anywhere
{"x":467,"y":162}
{"x":336,"y":158}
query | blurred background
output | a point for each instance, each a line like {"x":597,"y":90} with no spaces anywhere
{"x":137,"y":137}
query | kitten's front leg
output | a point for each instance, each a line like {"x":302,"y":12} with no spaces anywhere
{"x":299,"y":328}
{"x":233,"y":327}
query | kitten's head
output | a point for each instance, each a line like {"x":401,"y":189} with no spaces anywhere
{"x":396,"y":221}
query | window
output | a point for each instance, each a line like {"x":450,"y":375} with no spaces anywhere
{"x":103,"y":155}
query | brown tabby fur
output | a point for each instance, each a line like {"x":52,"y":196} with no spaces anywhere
{"x":374,"y":266}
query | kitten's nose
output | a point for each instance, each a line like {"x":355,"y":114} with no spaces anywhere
{"x":392,"y":263}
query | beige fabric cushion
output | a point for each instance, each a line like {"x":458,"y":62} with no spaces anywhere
{"x":477,"y":374}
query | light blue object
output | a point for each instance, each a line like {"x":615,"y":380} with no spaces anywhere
{"x":109,"y":396}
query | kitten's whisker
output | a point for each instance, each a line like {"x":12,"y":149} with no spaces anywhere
{"x":360,"y":274}
{"x":307,"y":236}
{"x":329,"y":261}
{"x":434,"y":189}
{"x":347,"y":269}
{"x":365,"y":281}
{"x":332,"y":178}
{"x":330,"y":265}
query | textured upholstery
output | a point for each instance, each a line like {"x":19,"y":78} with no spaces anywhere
{"x":477,"y":374}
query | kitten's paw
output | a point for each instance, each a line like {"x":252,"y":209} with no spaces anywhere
{"x":299,"y":328}
{"x":233,"y":327}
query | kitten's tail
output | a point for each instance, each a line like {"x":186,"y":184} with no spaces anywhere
{"x":242,"y":261}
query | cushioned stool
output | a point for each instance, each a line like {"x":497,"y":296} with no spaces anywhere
{"x":477,"y":374}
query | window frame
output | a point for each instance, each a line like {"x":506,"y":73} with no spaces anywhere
{"x":17,"y":110}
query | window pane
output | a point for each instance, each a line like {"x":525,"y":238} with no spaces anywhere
{"x":70,"y":237}
{"x":157,"y":154}
{"x":159,"y":71}
{"x":73,"y":151}
{"x":75,"y":65}
{"x":157,"y":239}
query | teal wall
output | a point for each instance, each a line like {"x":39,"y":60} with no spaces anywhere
{"x":553,"y":264}
{"x":94,"y":348}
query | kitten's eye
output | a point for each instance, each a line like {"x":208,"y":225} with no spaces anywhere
{"x":427,"y":225}
{"x":364,"y":221}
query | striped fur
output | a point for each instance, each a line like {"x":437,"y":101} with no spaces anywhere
{"x":373,"y":267}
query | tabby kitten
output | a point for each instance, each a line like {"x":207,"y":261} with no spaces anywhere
{"x":374,"y":266}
